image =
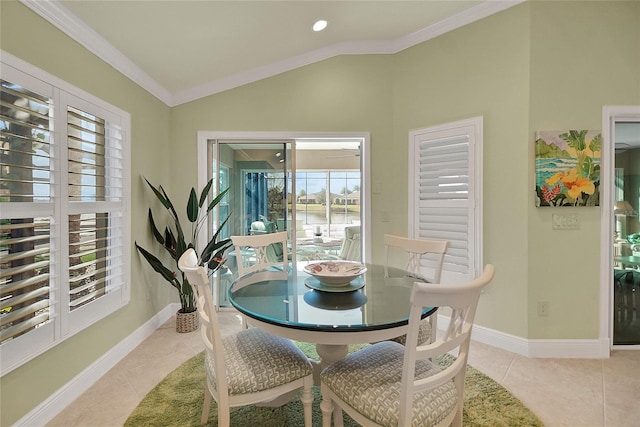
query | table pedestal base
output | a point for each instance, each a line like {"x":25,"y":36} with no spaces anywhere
{"x":328,"y":353}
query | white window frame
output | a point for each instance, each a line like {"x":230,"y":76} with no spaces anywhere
{"x":472,"y":129}
{"x":64,"y":323}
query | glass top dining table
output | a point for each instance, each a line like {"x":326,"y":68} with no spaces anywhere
{"x":371,"y":308}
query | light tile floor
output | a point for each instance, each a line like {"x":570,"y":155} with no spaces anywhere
{"x":562,"y":392}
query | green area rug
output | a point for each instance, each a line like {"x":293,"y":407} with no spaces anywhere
{"x":177,"y":401}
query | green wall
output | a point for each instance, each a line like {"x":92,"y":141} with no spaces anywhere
{"x":32,"y":39}
{"x":536,"y":66}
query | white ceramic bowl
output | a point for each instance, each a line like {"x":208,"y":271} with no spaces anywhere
{"x":335,"y":273}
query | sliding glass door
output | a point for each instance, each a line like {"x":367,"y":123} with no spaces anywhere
{"x":310,"y":188}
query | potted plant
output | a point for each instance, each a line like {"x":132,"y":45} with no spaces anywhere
{"x":175,"y":242}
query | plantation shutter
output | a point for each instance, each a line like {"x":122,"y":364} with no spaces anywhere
{"x":95,"y":193}
{"x":444,"y":196}
{"x":27,"y":205}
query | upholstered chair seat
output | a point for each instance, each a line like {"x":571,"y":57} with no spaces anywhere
{"x":369,"y":381}
{"x":280,"y":362}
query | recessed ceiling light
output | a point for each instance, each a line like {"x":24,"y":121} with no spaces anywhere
{"x":320,"y":25}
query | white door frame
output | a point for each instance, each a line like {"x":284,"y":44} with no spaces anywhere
{"x":365,"y":189}
{"x":610,"y":115}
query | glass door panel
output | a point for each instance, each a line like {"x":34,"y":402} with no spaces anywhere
{"x":328,"y":182}
{"x":258,"y":175}
{"x":626,"y":276}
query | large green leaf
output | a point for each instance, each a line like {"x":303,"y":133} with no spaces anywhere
{"x":176,"y":220}
{"x":217,"y":199}
{"x":205,"y":192}
{"x":170,"y":243}
{"x":156,"y":264}
{"x":213,"y":244}
{"x":166,"y":203}
{"x":192,"y":206}
{"x":154,"y":229}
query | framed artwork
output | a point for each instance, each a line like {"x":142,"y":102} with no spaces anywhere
{"x":568,"y":168}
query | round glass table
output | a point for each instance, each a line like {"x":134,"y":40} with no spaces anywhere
{"x":371,"y":308}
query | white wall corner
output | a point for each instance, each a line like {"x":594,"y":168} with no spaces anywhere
{"x":54,"y":404}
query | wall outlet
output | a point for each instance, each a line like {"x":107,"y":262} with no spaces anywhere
{"x":565,"y":222}
{"x":543,"y":308}
{"x":377,"y":187}
{"x":385,"y":216}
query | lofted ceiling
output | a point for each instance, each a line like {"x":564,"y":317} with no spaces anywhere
{"x":182,"y":50}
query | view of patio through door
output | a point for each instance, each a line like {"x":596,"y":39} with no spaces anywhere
{"x":309,"y":188}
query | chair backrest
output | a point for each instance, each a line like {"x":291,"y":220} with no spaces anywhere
{"x":261,"y":252}
{"x":209,"y":326}
{"x":431,"y":250}
{"x":351,"y":249}
{"x":462,"y":298}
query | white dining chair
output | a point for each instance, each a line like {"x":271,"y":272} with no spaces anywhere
{"x":428,"y":251}
{"x":260,"y":257}
{"x":261,"y":252}
{"x":387,"y":384}
{"x":248,"y":367}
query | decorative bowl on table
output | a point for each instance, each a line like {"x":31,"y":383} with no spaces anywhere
{"x":335,"y":273}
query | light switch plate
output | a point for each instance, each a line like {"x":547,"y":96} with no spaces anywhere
{"x":565,"y":222}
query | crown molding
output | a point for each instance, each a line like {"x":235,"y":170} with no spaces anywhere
{"x":476,"y":13}
{"x":59,"y":16}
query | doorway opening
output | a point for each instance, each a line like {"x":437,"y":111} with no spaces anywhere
{"x":620,"y":277}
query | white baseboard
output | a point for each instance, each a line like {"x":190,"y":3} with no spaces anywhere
{"x":570,"y":349}
{"x":66,"y":394}
{"x":540,"y":348}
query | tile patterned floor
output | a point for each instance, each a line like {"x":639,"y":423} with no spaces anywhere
{"x":562,"y":392}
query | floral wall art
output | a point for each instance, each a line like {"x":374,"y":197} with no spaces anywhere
{"x":568,"y":168}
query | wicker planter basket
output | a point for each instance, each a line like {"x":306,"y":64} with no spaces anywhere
{"x":187,"y":322}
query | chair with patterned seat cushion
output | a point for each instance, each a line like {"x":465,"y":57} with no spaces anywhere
{"x":248,"y":367}
{"x":423,"y":254}
{"x":387,"y":384}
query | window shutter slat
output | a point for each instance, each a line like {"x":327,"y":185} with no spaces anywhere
{"x":23,"y":284}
